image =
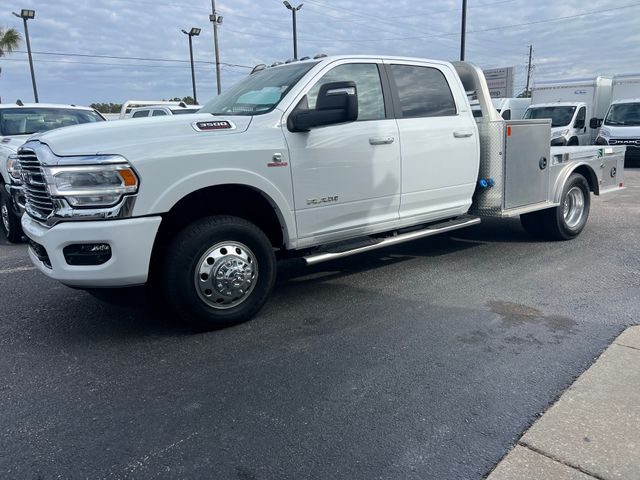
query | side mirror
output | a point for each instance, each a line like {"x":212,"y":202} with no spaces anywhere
{"x":595,"y":123}
{"x":337,"y":103}
{"x":579,"y":124}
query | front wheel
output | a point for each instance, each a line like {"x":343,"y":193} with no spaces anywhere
{"x":10,"y":223}
{"x":218,"y":272}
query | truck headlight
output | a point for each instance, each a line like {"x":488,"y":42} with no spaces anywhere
{"x":605,"y":132}
{"x":92,"y":185}
{"x":559,"y":133}
{"x":13,"y":167}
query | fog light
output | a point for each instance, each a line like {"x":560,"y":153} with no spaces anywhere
{"x":87,"y":253}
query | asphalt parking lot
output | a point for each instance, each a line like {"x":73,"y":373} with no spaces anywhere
{"x":426,"y":360}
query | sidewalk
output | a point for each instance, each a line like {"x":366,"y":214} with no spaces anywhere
{"x":593,"y":431}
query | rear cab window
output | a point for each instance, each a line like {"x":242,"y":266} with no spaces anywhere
{"x":422,"y":91}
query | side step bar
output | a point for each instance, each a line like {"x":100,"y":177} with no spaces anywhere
{"x":434,"y":229}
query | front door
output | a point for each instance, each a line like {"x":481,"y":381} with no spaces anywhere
{"x":580,"y":127}
{"x":346,"y":177}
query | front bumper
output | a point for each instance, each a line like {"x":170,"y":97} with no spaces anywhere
{"x":131,"y":242}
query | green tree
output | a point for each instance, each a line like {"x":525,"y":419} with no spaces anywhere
{"x":9,"y":40}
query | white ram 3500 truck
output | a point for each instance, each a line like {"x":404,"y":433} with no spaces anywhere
{"x":319,"y":159}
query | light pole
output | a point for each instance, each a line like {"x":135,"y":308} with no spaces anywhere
{"x":217,"y":21}
{"x":463,"y":33}
{"x":29,"y":15}
{"x":295,"y":30}
{"x":194,"y":32}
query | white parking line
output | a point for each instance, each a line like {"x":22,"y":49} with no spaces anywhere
{"x":17,"y":269}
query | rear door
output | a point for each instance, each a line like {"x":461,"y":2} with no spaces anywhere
{"x":438,"y":136}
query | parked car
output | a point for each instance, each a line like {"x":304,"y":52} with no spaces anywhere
{"x":130,"y":105}
{"x":316,"y":160}
{"x":17,"y":123}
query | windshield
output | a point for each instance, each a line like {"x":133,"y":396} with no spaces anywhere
{"x":627,"y":114}
{"x":258,"y":93}
{"x":26,"y":121}
{"x":560,"y":116}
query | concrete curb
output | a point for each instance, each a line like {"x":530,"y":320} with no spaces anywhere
{"x":593,"y":430}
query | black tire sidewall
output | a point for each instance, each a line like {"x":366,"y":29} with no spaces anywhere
{"x":187,"y":249}
{"x":578,"y":180}
{"x":15,"y":229}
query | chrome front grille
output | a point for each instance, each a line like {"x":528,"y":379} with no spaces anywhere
{"x":38,"y":203}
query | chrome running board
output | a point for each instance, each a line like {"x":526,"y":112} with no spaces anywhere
{"x":382,"y":242}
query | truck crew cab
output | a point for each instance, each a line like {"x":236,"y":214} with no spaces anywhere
{"x":316,"y":159}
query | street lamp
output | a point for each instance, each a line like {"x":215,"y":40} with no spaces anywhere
{"x":194,"y":32}
{"x":29,"y":15}
{"x":295,"y":32}
{"x":217,"y":22}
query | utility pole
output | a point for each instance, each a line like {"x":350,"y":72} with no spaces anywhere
{"x":529,"y":69}
{"x":217,"y":21}
{"x":463,"y":33}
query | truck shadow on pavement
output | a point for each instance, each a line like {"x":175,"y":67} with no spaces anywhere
{"x":137,"y":312}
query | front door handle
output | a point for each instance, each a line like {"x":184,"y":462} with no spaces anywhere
{"x":462,"y":134}
{"x":381,"y":140}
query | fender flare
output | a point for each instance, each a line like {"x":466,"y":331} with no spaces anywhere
{"x":219,"y":177}
{"x":562,"y":179}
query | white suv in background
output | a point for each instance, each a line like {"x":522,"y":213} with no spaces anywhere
{"x":17,"y":123}
{"x":162,"y":110}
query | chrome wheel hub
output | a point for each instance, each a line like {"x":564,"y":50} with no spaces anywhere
{"x":4,"y":211}
{"x":226,"y":275}
{"x":573,"y":207}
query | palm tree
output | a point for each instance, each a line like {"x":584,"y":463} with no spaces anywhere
{"x":9,"y":40}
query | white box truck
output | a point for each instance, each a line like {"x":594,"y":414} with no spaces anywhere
{"x":622,"y":121}
{"x":316,"y":159}
{"x":571,"y":104}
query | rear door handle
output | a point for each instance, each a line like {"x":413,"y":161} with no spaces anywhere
{"x":462,"y":134}
{"x":381,"y":140}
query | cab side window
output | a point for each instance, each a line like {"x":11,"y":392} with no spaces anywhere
{"x":140,"y":113}
{"x":159,"y":113}
{"x":368,"y":86}
{"x":423,"y":91}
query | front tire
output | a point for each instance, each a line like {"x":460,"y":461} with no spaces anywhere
{"x":218,"y":271}
{"x":9,"y":221}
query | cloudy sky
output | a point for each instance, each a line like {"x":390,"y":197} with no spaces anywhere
{"x":73,"y":39}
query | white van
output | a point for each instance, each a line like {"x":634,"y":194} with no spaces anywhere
{"x":511,"y":108}
{"x":592,"y":93}
{"x":568,"y":122}
{"x":622,"y":123}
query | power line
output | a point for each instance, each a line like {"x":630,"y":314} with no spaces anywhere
{"x":117,"y":57}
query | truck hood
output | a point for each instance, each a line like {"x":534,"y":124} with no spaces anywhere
{"x":14,"y":142}
{"x":613,"y":131}
{"x":112,"y":137}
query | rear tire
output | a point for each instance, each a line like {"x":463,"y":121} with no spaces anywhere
{"x":9,"y":221}
{"x":533,"y":223}
{"x":569,"y":219}
{"x":218,"y":271}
